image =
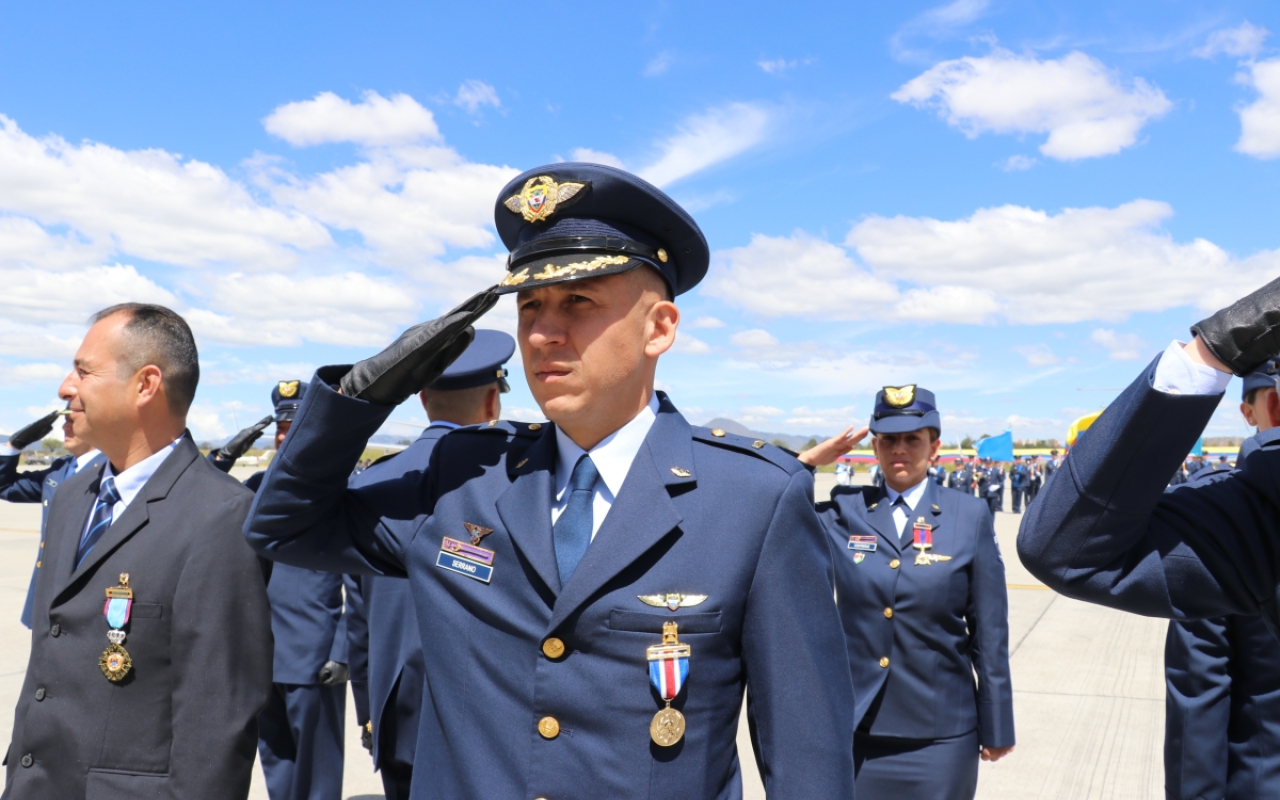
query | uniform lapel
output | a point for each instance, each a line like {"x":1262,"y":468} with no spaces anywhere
{"x":135,"y":516}
{"x":642,"y":514}
{"x":880,"y":517}
{"x":78,"y":517}
{"x":525,"y":507}
{"x":930,"y":507}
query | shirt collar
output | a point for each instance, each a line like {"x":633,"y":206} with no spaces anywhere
{"x":131,"y":481}
{"x":440,"y":423}
{"x":911,"y":496}
{"x":614,"y":454}
{"x":83,"y":461}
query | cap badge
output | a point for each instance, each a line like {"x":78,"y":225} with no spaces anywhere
{"x":477,"y":532}
{"x":288,"y":388}
{"x":672,"y":601}
{"x":900,"y":396}
{"x":541,"y":196}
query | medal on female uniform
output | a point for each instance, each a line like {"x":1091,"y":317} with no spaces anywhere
{"x":668,"y":668}
{"x":115,"y":662}
{"x":922,"y":540}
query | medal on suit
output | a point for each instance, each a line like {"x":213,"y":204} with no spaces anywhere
{"x":115,"y":662}
{"x":668,"y":669}
{"x":922,"y":540}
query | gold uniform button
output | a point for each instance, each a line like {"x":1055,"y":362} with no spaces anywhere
{"x":549,"y":727}
{"x":537,"y":426}
{"x":553,"y":648}
{"x":718,"y":433}
{"x":888,"y":613}
{"x":894,"y":564}
{"x":884,"y":661}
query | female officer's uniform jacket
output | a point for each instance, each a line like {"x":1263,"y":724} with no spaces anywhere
{"x":540,"y":690}
{"x":917,"y":634}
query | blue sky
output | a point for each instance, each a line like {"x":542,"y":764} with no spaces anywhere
{"x":1007,"y":203}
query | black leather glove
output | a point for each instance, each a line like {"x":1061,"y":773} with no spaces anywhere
{"x":333,"y":673}
{"x":33,"y":432}
{"x":366,"y":736}
{"x":418,"y":357}
{"x":225,"y":457}
{"x":1246,"y":333}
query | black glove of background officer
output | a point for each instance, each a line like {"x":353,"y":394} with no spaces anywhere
{"x":225,"y":457}
{"x":34,"y":432}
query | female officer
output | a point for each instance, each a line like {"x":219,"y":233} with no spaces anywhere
{"x":921,"y":590}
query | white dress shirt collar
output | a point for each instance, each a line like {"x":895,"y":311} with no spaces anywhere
{"x":911,"y":496}
{"x":83,"y":461}
{"x":612,"y":457}
{"x":131,"y":481}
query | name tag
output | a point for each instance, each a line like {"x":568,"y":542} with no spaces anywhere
{"x":864,"y":543}
{"x":462,"y":566}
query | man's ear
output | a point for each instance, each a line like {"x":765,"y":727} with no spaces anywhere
{"x":1273,"y":407}
{"x":1246,"y":411}
{"x":664,"y":319}
{"x":149,"y":384}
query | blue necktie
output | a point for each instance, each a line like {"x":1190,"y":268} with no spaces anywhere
{"x":101,"y":519}
{"x":572,"y":531}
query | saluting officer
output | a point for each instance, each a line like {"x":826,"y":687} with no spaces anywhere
{"x":38,"y":485}
{"x":959,"y":479}
{"x":468,"y":393}
{"x":1222,"y":674}
{"x":995,"y":487}
{"x":921,"y":589}
{"x":597,"y":591}
{"x":1111,"y":534}
{"x":300,"y":732}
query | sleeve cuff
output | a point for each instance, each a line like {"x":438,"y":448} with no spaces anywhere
{"x":1176,"y":373}
{"x":7,"y":450}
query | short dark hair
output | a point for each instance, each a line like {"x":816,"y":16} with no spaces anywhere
{"x":159,"y":336}
{"x":1250,"y":396}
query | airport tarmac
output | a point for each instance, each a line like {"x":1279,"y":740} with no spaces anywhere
{"x":1088,"y":686}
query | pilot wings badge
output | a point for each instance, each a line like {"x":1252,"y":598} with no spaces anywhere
{"x":541,"y":196}
{"x":477,"y":532}
{"x":672,"y":601}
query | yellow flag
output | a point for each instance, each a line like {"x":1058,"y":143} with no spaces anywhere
{"x":1080,"y":426}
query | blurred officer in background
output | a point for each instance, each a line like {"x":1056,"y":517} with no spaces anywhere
{"x":995,"y":486}
{"x":1037,"y":477}
{"x":921,"y":590}
{"x":39,"y":485}
{"x":1222,"y":674}
{"x":300,"y":732}
{"x":1019,"y":483}
{"x":569,"y":576}
{"x":468,"y":393}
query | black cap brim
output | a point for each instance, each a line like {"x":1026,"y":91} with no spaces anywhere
{"x":570,"y":267}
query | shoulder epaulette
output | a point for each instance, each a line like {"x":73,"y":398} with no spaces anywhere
{"x":744,"y":444}
{"x":387,"y":457}
{"x":526,"y":430}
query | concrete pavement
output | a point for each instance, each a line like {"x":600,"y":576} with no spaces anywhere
{"x":1088,"y":686}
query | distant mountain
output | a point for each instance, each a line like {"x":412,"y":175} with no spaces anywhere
{"x":792,"y":441}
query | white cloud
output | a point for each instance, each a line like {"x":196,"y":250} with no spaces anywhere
{"x":936,"y":23}
{"x":1086,"y":108}
{"x":206,"y":422}
{"x":23,"y":243}
{"x":659,"y":64}
{"x":691,"y":345}
{"x":1260,"y":120}
{"x":148,"y":203}
{"x":704,"y":140}
{"x":39,"y":296}
{"x":374,"y":121}
{"x":17,"y":374}
{"x":1243,"y":41}
{"x":1023,"y":265}
{"x":777,"y":66}
{"x":1122,"y":346}
{"x":1017,"y":163}
{"x":586,"y":154}
{"x":706,"y":322}
{"x":753,"y":338}
{"x":826,"y":419}
{"x":1037,"y":355}
{"x":474,"y":95}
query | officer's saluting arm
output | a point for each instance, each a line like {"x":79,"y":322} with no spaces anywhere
{"x":987,"y":616}
{"x":304,"y":514}
{"x":1104,"y":530}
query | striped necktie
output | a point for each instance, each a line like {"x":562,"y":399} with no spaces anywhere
{"x":572,"y":531}
{"x":101,"y":519}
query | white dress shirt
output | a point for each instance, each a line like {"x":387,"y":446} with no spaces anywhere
{"x":612,"y":457}
{"x":901,"y":514}
{"x":131,"y":481}
{"x":1176,"y":373}
{"x":83,"y":461}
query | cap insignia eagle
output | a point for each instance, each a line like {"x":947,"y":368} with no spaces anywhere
{"x":900,"y":396}
{"x":288,"y":388}
{"x":541,"y":196}
{"x":672,"y":601}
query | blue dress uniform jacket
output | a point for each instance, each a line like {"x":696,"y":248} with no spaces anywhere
{"x":1106,"y":531}
{"x":696,"y":514}
{"x":1222,"y":707}
{"x":181,"y":723}
{"x":936,"y":625}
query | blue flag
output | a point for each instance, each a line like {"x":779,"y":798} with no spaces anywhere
{"x":1198,"y":449}
{"x":997,"y":448}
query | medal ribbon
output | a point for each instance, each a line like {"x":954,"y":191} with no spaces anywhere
{"x":668,"y":675}
{"x":923,"y":536}
{"x":117,"y":611}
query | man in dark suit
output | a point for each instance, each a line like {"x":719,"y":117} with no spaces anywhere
{"x":154,"y":694}
{"x":570,"y":576}
{"x":468,"y":393}
{"x":38,"y":485}
{"x":922,"y":595}
{"x":1109,"y":533}
{"x":1222,"y":674}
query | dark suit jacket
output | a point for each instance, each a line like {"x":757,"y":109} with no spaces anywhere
{"x":394,"y":647}
{"x":1105,"y":530}
{"x":182,"y":724}
{"x":949,"y":619}
{"x":698,"y":513}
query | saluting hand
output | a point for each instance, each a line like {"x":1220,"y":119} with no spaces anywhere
{"x":239,"y":444}
{"x":995,"y":753}
{"x":827,"y":452}
{"x":33,"y":432}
